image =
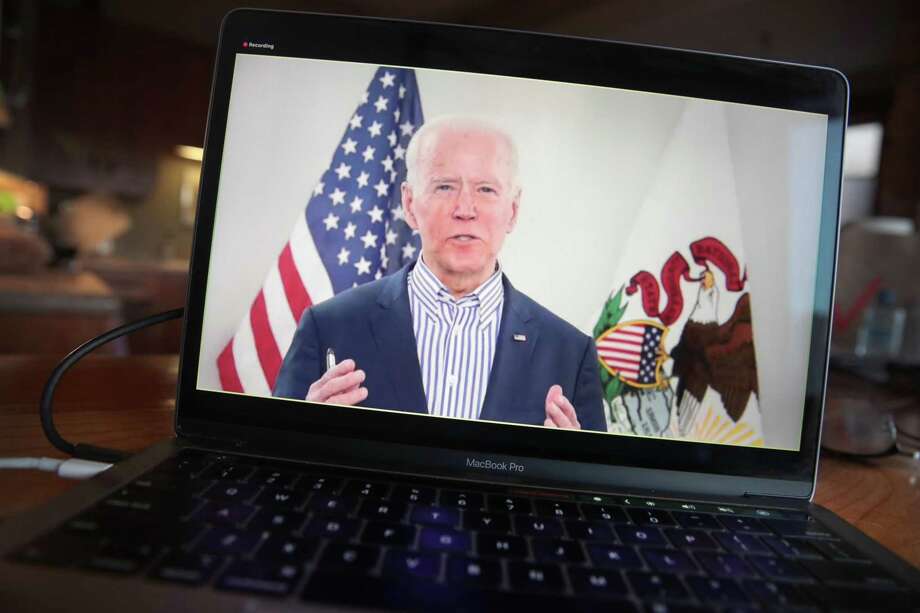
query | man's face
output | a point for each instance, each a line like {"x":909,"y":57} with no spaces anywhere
{"x":463,"y":206}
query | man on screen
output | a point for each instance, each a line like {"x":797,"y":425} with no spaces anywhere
{"x":448,"y":335}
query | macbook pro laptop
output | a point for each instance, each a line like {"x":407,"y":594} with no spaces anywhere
{"x":484,"y":320}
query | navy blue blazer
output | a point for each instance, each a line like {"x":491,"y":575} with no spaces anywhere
{"x":372,"y":324}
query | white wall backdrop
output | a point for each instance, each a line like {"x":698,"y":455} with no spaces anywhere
{"x":589,"y":157}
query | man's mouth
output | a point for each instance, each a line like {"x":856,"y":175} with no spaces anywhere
{"x":464,"y":238}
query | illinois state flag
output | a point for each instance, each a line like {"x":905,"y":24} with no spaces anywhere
{"x":352,"y":231}
{"x":676,"y":338}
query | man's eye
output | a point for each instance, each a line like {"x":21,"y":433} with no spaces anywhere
{"x":443,"y":188}
{"x":487,"y":190}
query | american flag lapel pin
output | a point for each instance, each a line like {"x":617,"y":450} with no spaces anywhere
{"x":521,"y":338}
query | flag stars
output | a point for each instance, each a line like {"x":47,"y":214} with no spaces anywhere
{"x":378,"y":275}
{"x":364,"y":97}
{"x":369,"y":239}
{"x":382,"y":188}
{"x":398,"y":213}
{"x":402,"y":92}
{"x":356,"y":204}
{"x":399,"y":152}
{"x":406,"y":128}
{"x":331,"y":221}
{"x":349,"y":146}
{"x":381,"y":104}
{"x":374,"y":128}
{"x":318,"y":190}
{"x":343,"y":256}
{"x":355,"y":122}
{"x":388,"y":79}
{"x":337,"y":197}
{"x":391,"y":236}
{"x":362,"y":179}
{"x":408,"y":251}
{"x":391,"y":138}
{"x":350,"y":230}
{"x":368,"y":154}
{"x":363,"y":266}
{"x":384,"y":258}
{"x":343,"y":171}
{"x":387,"y":163}
{"x":376,"y":214}
{"x":396,"y":115}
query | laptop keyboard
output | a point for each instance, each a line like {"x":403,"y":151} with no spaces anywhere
{"x":352,"y":538}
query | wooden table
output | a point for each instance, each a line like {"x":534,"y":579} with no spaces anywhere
{"x":128,"y":403}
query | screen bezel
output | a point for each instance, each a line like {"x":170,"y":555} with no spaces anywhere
{"x":536,"y":56}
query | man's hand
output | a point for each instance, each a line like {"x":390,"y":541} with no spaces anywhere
{"x":559,"y":411}
{"x":341,"y":384}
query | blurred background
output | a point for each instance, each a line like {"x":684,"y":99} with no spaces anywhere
{"x":102,"y":115}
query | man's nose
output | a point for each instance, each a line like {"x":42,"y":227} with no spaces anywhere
{"x":465,"y":206}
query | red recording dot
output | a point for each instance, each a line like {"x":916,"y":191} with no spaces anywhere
{"x":245,"y":43}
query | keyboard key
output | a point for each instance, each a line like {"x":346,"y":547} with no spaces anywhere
{"x":474,"y":572}
{"x":462,"y":500}
{"x":535,"y":577}
{"x":651,"y":517}
{"x":839,"y":550}
{"x":414,"y":494}
{"x":556,"y":508}
{"x":792,"y":527}
{"x":444,"y":539}
{"x":739,"y":523}
{"x":322,"y":503}
{"x":281,"y":522}
{"x":411,"y":564}
{"x":349,"y":558}
{"x":537,"y":526}
{"x":784,"y":595}
{"x":332,"y":527}
{"x":557,"y":550}
{"x":501,"y":545}
{"x":152,"y":503}
{"x":710,"y":591}
{"x":435,"y":516}
{"x":597,"y":582}
{"x":287,"y":549}
{"x":260,"y":578}
{"x":389,"y":510}
{"x":231,"y":492}
{"x":853,"y":574}
{"x":614,"y":556}
{"x":274,"y":478}
{"x":604,"y":513}
{"x":588,"y":530}
{"x":188,"y":568}
{"x":791,"y":547}
{"x":741,"y":543}
{"x":657,"y":585}
{"x":690,"y":539}
{"x":275,"y":498}
{"x":699,"y":521}
{"x":123,"y":559}
{"x":487,"y":522}
{"x":510,"y":504}
{"x":224,"y":513}
{"x":227,"y":471}
{"x":669,"y":561}
{"x":386,"y":533}
{"x":222,"y":540}
{"x":368,"y":489}
{"x":778,"y":568}
{"x":319,"y":484}
{"x":630,"y":535}
{"x":60,"y":549}
{"x":725,"y":565}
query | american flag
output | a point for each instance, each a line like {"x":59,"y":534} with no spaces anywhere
{"x":631,"y":351}
{"x":353,"y":231}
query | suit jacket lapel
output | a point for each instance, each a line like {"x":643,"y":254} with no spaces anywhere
{"x":512,"y":358}
{"x":391,"y":324}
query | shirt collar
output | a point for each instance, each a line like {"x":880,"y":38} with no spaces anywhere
{"x":430,"y":291}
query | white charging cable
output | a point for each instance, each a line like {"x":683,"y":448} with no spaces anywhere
{"x":68,"y":469}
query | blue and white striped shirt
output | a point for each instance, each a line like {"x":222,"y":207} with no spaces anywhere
{"x":455,"y":340}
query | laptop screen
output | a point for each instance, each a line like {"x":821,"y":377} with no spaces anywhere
{"x":514,"y":251}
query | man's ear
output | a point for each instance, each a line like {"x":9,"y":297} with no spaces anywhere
{"x":408,"y":204}
{"x":515,"y":203}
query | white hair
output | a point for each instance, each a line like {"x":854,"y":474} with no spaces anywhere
{"x":426,"y":137}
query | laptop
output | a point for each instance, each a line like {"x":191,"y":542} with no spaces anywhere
{"x":480,"y":320}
